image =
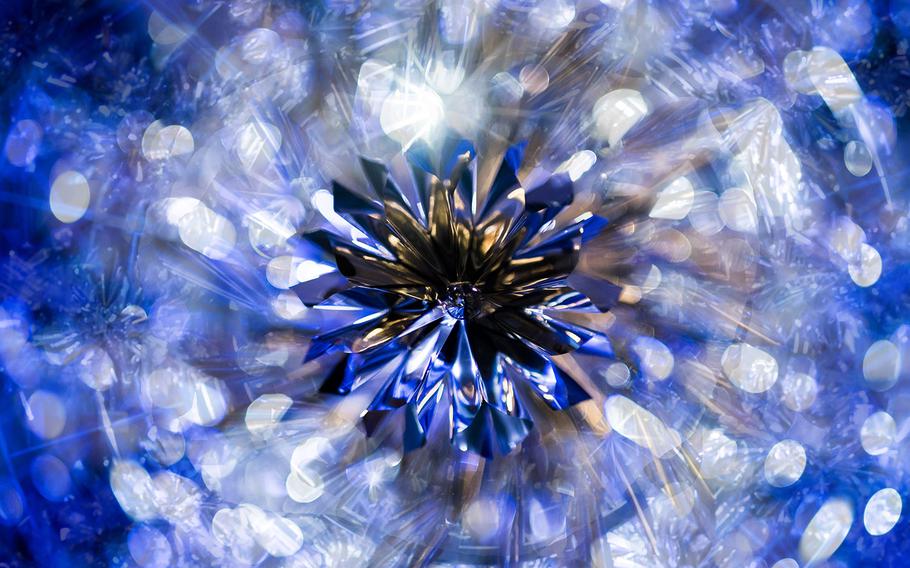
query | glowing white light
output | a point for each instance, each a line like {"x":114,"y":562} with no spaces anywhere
{"x":133,"y":314}
{"x":749,"y":368}
{"x":267,"y":229}
{"x":96,"y":369}
{"x":796,"y":72}
{"x":458,"y":19}
{"x":673,"y":245}
{"x":546,"y":522}
{"x":166,"y":388}
{"x":167,"y":447}
{"x":799,"y":391}
{"x":308,"y":270}
{"x":132,"y":486}
{"x":279,"y":536}
{"x":257,"y":143}
{"x":833,"y":79}
{"x":766,"y":168}
{"x":304,"y":485}
{"x":206,"y":232}
{"x":826,"y":531}
{"x":224,"y":523}
{"x":655,"y":358}
{"x":867,"y":271}
{"x":737,"y":210}
{"x":310,"y":451}
{"x":630,"y":294}
{"x":266,"y":411}
{"x":554,"y":14}
{"x":70,"y":195}
{"x":675,"y":501}
{"x":578,"y":164}
{"x":23,"y":143}
{"x":281,"y":272}
{"x":505,"y":89}
{"x":241,"y":532}
{"x":847,"y":240}
{"x":288,"y":305}
{"x":857,"y":158}
{"x":375,"y":82}
{"x":652,"y":280}
{"x":177,"y":207}
{"x":878,"y":433}
{"x":674,"y":201}
{"x":163,"y":31}
{"x":176,"y":497}
{"x":482,"y":518}
{"x":215,"y":461}
{"x":209,"y":404}
{"x":149,"y":547}
{"x":633,"y":422}
{"x":882,"y":511}
{"x":324,"y":202}
{"x":534,"y":79}
{"x":785,"y":463}
{"x":163,"y":142}
{"x":617,"y":375}
{"x":882,"y":364}
{"x":258,"y":45}
{"x":718,"y":454}
{"x":704,"y":216}
{"x":617,"y":112}
{"x":45,"y":414}
{"x":411,"y":112}
{"x":445,"y":74}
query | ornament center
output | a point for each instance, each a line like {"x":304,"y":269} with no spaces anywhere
{"x":462,"y":301}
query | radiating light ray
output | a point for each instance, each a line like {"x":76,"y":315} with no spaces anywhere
{"x":169,"y":348}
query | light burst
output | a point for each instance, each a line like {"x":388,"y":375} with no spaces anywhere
{"x":495,"y":282}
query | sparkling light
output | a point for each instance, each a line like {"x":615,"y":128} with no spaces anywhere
{"x":882,"y":364}
{"x":785,"y":463}
{"x":617,"y":112}
{"x":868,"y":269}
{"x":826,"y":531}
{"x":749,"y":368}
{"x":207,"y":232}
{"x":799,"y":391}
{"x":46,"y":414}
{"x":857,"y":158}
{"x":69,"y":197}
{"x":878,"y":433}
{"x":882,"y":511}
{"x":482,"y":282}
{"x":163,"y":142}
{"x":633,"y":422}
{"x":411,"y":112}
{"x":674,"y":201}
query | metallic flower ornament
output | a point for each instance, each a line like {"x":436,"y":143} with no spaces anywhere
{"x":460,"y":291}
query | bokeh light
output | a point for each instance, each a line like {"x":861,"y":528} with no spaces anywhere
{"x":616,"y":283}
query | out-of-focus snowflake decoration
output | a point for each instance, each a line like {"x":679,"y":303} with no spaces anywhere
{"x":455,"y":283}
